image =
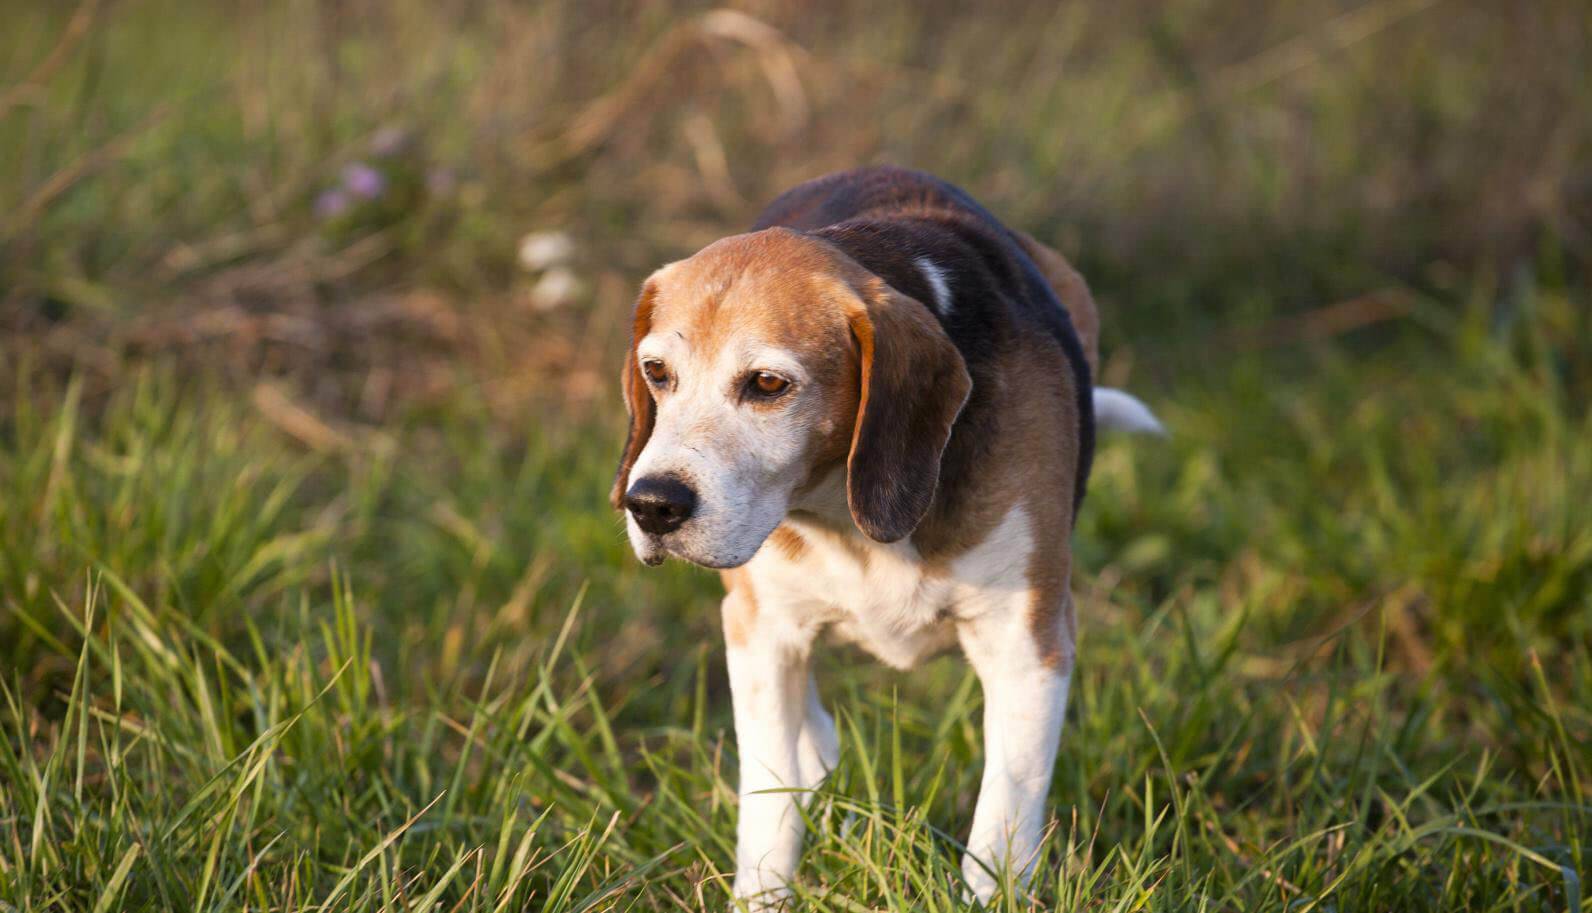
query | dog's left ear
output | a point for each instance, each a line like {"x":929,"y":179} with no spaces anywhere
{"x":638,"y":397}
{"x":914,"y":384}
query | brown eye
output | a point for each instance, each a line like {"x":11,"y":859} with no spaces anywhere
{"x":656,"y":372}
{"x":766,"y":384}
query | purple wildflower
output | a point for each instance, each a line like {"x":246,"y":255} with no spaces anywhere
{"x":363,"y":181}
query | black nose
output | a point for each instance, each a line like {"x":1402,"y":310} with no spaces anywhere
{"x":660,"y":503}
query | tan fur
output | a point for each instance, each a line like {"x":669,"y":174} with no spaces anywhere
{"x":740,"y":609}
{"x":909,"y":487}
{"x":846,"y":539}
{"x":1033,"y":467}
{"x":638,"y":400}
{"x":789,"y":542}
{"x":812,"y":300}
{"x":1069,"y":286}
{"x":799,"y":305}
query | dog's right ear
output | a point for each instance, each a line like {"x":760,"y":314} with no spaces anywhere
{"x":914,"y":385}
{"x":638,"y":397}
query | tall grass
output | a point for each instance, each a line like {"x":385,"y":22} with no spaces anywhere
{"x":1334,"y":657}
{"x":310,"y":598}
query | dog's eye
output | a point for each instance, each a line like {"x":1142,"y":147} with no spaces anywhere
{"x":656,"y":372}
{"x":768,"y":385}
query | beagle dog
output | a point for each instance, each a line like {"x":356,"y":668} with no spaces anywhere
{"x":874,"y":415}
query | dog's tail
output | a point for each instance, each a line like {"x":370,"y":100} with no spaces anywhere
{"x":1118,"y":411}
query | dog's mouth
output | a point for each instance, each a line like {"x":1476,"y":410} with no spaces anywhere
{"x":650,"y":549}
{"x":653,"y":550}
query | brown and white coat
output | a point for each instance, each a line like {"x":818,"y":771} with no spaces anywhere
{"x":875,"y":414}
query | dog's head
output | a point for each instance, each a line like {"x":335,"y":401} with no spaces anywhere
{"x":759,"y":366}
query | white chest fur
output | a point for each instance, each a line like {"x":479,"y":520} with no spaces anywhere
{"x":884,"y":597}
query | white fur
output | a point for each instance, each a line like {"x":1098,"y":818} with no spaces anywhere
{"x":884,"y":599}
{"x":936,"y":279}
{"x":741,"y":462}
{"x":786,"y":740}
{"x":1118,"y":411}
{"x":745,"y":465}
{"x":1025,"y":701}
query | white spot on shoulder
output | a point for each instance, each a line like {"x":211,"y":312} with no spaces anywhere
{"x":937,"y":282}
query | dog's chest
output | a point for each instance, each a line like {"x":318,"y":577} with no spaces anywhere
{"x":884,"y":597}
{"x":880,"y":597}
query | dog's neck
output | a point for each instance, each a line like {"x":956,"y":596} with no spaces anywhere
{"x":824,"y":502}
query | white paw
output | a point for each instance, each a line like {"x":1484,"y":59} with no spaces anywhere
{"x":981,"y":882}
{"x":752,"y":895}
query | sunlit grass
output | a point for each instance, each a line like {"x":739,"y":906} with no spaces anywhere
{"x":1334,"y":656}
{"x":311,"y":599}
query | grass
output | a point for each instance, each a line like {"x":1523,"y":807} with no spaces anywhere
{"x":1334,"y":656}
{"x":310,"y":597}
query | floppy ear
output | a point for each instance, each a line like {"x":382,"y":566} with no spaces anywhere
{"x":638,"y":398}
{"x":914,"y":384}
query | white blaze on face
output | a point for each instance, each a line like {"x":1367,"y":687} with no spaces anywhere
{"x":741,"y":456}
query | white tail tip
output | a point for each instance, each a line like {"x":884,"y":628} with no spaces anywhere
{"x":1118,"y":411}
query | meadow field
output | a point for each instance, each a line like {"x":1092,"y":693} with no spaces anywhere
{"x":310,"y":323}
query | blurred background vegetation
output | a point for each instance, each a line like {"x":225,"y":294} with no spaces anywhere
{"x":310,"y":314}
{"x":1208,"y":164}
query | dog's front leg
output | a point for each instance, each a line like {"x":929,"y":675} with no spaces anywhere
{"x":769,"y":685}
{"x":1025,"y":698}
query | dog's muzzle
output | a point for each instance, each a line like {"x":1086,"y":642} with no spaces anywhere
{"x":660,"y":504}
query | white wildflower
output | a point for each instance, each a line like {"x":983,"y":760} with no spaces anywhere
{"x":557,"y":287}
